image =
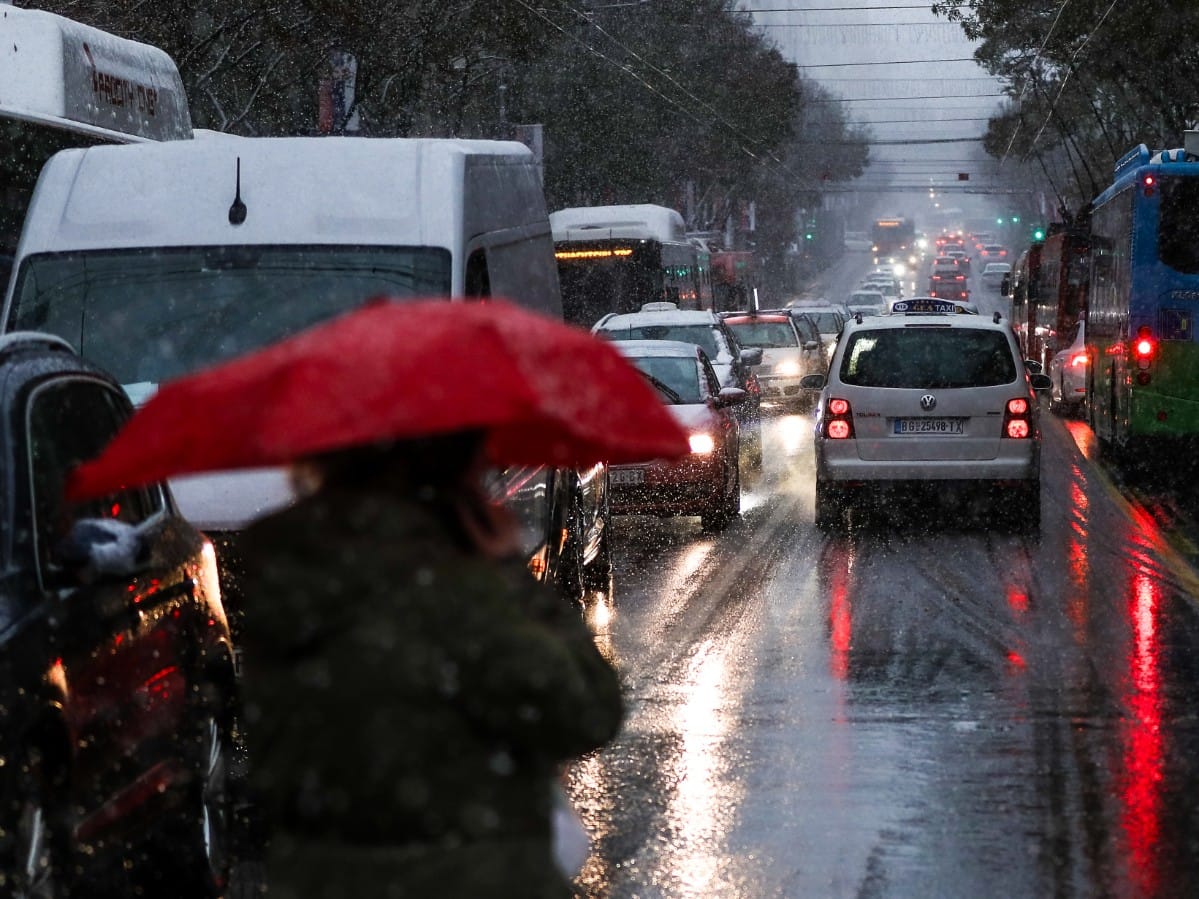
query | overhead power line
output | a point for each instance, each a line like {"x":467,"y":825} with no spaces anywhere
{"x":923,"y":6}
{"x":886,"y":62}
{"x":905,"y":99}
{"x":855,"y":24}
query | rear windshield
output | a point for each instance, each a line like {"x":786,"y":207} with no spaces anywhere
{"x":926,"y":357}
{"x":679,"y":374}
{"x":764,"y":334}
{"x":151,"y":315}
{"x":701,"y":335}
{"x":827,"y":322}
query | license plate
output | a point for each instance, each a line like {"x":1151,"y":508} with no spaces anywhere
{"x":626,"y":476}
{"x":932,"y":426}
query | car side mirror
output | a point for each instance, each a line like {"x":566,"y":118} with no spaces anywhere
{"x":1034,"y":366}
{"x":729,"y":396}
{"x":1041,"y":382}
{"x":752,"y":356}
{"x":1005,"y":286}
{"x":97,"y":549}
{"x":812,"y":382}
{"x":812,"y":345}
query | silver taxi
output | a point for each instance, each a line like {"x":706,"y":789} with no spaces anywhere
{"x":930,"y":392}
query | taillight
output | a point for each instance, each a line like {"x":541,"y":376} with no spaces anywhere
{"x":1017,"y":421}
{"x":1078,"y":359}
{"x":1143,"y":350}
{"x":838,"y":423}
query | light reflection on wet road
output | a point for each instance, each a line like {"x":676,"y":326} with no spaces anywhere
{"x":918,"y":708}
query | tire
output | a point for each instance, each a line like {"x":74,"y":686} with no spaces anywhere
{"x":830,"y":512}
{"x":192,"y":855}
{"x":727,"y":508}
{"x":34,"y":872}
{"x":1026,"y":511}
{"x":598,"y":575}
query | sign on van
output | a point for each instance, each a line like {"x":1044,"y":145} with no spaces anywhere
{"x":113,"y":85}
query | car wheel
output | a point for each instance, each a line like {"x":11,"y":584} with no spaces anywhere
{"x":34,"y":873}
{"x":191,"y":855}
{"x":598,"y":575}
{"x":727,"y":507}
{"x":1026,"y":510}
{"x":830,"y":511}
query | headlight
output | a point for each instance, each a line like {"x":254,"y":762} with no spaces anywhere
{"x":702,"y":444}
{"x":788,"y":369}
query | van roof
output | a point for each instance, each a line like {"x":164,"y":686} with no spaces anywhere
{"x":297,"y":190}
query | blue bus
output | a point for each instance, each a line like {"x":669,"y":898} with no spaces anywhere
{"x":1144,"y":299}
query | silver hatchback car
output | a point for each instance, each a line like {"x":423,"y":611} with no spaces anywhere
{"x":940,"y":395}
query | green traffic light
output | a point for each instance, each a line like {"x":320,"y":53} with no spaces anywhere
{"x":1038,"y":234}
{"x":1015,"y":219}
{"x":809,"y":236}
{"x":999,"y":221}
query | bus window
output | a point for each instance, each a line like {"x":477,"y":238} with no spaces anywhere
{"x":1178,"y":230}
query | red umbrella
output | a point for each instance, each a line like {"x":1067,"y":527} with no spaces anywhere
{"x":545,"y":392}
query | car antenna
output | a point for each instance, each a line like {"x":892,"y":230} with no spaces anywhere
{"x":237,"y":212}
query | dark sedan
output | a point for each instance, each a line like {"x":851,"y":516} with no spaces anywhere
{"x":117,"y":675}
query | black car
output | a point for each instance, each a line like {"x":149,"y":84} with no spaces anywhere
{"x":117,"y":670}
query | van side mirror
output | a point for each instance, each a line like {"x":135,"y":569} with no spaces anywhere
{"x":1034,"y":366}
{"x":752,"y":356}
{"x":812,"y":382}
{"x":1041,"y":382}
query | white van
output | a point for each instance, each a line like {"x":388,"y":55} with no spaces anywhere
{"x":158,"y":259}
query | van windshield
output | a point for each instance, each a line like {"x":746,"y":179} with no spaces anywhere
{"x":151,"y":315}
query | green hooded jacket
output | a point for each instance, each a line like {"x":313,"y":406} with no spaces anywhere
{"x":409,"y":704}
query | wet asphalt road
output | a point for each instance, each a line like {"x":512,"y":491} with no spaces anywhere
{"x":924,"y":706}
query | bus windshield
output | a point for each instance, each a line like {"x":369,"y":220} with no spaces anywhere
{"x":151,"y":315}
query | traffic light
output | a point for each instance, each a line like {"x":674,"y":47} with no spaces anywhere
{"x":1015,"y":219}
{"x":1038,"y":233}
{"x":809,"y":236}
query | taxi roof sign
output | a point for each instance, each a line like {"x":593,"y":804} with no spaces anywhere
{"x":932,"y":306}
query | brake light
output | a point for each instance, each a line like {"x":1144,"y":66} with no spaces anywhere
{"x":1017,"y":419}
{"x":959,"y":277}
{"x":1078,"y":359}
{"x":839,"y":422}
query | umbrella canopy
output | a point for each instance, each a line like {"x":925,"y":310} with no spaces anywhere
{"x":544,"y":392}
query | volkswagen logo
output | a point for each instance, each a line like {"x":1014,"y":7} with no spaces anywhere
{"x":928,"y":402}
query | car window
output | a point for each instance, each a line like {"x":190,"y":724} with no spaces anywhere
{"x":764,"y":334}
{"x":928,"y":357}
{"x":69,"y":422}
{"x":701,"y":335}
{"x":709,"y":376}
{"x":679,"y":373}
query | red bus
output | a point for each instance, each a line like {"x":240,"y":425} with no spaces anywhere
{"x":1061,"y":296}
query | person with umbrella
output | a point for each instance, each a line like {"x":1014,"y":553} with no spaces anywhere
{"x":411,"y":691}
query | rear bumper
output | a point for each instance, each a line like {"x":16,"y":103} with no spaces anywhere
{"x":840,"y":463}
{"x":688,"y":487}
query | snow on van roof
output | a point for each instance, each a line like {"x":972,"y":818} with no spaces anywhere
{"x":60,"y":72}
{"x":638,"y":221}
{"x":317,"y":190}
